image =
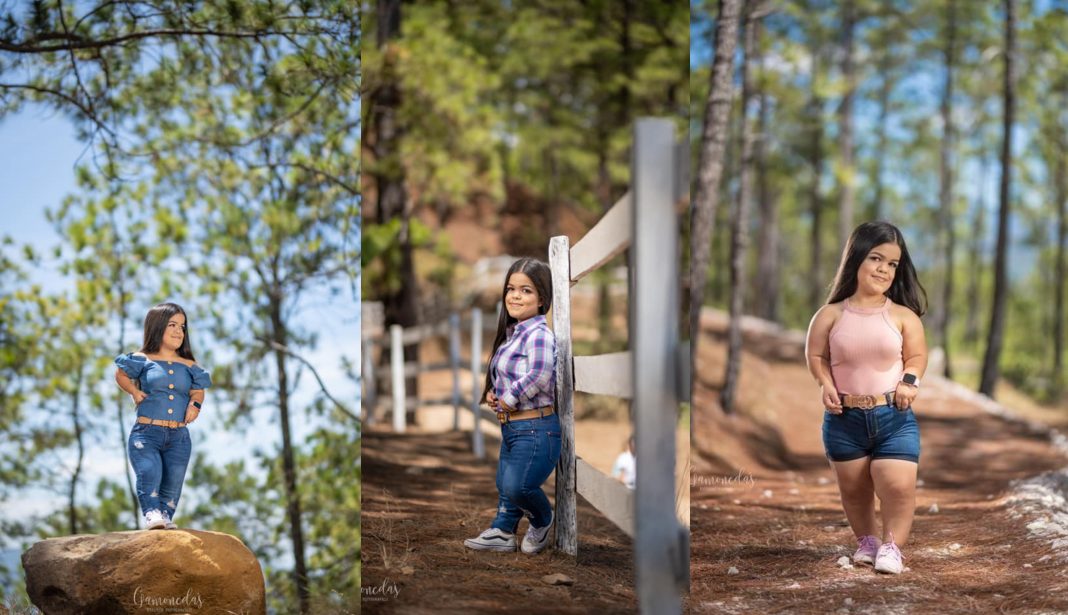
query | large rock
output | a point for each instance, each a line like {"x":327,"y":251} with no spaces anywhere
{"x":159,"y":571}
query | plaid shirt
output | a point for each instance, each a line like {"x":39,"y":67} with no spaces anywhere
{"x":524,"y":367}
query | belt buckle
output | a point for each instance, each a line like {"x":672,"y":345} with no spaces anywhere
{"x":502,"y":417}
{"x":868,"y":403}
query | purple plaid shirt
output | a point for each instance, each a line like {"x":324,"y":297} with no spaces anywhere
{"x":524,"y":367}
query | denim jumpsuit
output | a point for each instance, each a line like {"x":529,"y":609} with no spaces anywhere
{"x":159,"y":455}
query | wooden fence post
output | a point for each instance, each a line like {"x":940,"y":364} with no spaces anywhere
{"x":454,"y":365}
{"x":660,"y":542}
{"x":397,"y":372}
{"x":477,"y":442}
{"x":566,"y":505}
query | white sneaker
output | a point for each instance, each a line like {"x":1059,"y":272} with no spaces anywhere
{"x":492,"y":539}
{"x":155,"y":520}
{"x":171,"y":525}
{"x":889,"y":559}
{"x":537,"y":538}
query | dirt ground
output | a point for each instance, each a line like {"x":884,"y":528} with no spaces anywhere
{"x":423,"y":493}
{"x":768,"y":527}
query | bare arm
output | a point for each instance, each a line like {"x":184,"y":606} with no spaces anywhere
{"x":818,"y":355}
{"x":128,"y":385}
{"x":913,"y":355}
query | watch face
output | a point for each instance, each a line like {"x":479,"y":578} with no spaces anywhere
{"x":909,"y":379}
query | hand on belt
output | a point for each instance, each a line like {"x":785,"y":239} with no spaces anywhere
{"x":867,"y":402}
{"x":520,"y":415}
{"x":144,"y":420}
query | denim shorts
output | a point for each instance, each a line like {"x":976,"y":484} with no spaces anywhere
{"x":884,"y":432}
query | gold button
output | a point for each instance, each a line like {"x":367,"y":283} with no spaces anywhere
{"x":170,"y":397}
{"x":170,"y":371}
{"x":170,"y":362}
{"x":170,"y":386}
{"x":170,"y":410}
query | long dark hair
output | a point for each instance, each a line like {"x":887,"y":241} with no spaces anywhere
{"x":905,"y":290}
{"x":542,"y":276}
{"x":156,"y":324}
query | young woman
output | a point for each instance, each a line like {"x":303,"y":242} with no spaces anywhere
{"x":520,"y":386}
{"x":866,"y":349}
{"x":168,"y":387}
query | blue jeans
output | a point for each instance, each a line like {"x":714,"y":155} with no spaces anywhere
{"x":159,"y":456}
{"x":884,"y":432}
{"x":529,"y":451}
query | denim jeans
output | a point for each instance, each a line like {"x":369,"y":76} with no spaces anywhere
{"x":883,"y":432}
{"x":159,"y":456}
{"x":529,"y":451}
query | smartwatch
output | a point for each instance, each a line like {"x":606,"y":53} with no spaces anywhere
{"x":196,"y":404}
{"x":911,"y":379}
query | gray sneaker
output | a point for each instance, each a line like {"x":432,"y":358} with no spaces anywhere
{"x":492,"y":539}
{"x":537,"y":538}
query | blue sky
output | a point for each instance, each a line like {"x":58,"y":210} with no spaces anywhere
{"x":38,"y":155}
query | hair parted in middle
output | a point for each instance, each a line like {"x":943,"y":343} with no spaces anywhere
{"x":905,"y":290}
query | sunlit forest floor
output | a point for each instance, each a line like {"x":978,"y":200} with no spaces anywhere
{"x":771,"y":543}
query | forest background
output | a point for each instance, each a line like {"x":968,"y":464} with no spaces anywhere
{"x":205,"y":153}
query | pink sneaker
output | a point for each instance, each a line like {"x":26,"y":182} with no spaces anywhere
{"x":869,"y":547}
{"x":889,"y":558}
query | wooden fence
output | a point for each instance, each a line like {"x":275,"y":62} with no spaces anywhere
{"x":654,"y":373}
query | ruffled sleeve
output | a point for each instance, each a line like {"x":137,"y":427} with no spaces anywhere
{"x":201,"y":378}
{"x":131,"y":364}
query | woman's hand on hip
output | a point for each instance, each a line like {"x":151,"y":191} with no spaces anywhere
{"x":831,"y":401}
{"x":138,"y":396}
{"x":191,"y":413}
{"x":904,"y":394}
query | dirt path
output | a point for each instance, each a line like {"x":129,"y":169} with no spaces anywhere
{"x":768,"y":526}
{"x":423,"y":493}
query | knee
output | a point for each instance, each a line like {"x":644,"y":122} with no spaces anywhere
{"x":898,"y":491}
{"x":858,"y":493}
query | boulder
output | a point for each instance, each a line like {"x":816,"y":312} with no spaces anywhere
{"x":159,"y":571}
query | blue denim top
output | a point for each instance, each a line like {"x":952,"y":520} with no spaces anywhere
{"x":167,"y":384}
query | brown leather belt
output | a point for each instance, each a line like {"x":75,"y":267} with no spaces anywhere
{"x":522,"y":415}
{"x":144,"y":420}
{"x":867,"y":402}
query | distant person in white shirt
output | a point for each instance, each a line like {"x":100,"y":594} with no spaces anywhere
{"x":624,"y":469}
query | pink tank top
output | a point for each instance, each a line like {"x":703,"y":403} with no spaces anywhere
{"x":865,"y":351}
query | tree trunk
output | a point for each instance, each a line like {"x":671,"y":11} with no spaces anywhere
{"x":945,"y":192}
{"x":72,"y":496}
{"x":767,"y":288}
{"x":845,"y":123}
{"x":976,"y":258}
{"x":119,"y":284}
{"x":815,"y":119}
{"x":400,"y":307}
{"x":710,"y":162}
{"x":740,"y":225}
{"x":997,"y":316}
{"x":1061,"y":267}
{"x":881,"y":155}
{"x":296,"y":531}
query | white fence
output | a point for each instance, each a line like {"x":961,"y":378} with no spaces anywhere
{"x":653,"y":373}
{"x":400,"y":337}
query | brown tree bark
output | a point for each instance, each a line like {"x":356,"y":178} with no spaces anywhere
{"x":992,"y":357}
{"x":767,"y":283}
{"x":815,"y":119}
{"x":740,"y":223}
{"x":945,"y":192}
{"x":1061,"y":267}
{"x":710,"y":162}
{"x":847,"y":178}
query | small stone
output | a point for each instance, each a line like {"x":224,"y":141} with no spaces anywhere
{"x":849,"y":602}
{"x":794,"y":492}
{"x":557,"y":579}
{"x":933,"y":509}
{"x":716,"y":508}
{"x":828,"y":528}
{"x":732,"y":570}
{"x":767,"y":493}
{"x":823,"y":480}
{"x":704,"y":506}
{"x":737,"y":502}
{"x":845,"y":563}
{"x":1028,"y":565}
{"x":919,"y":482}
{"x":794,"y":586}
{"x":955,"y":546}
{"x":407,"y":570}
